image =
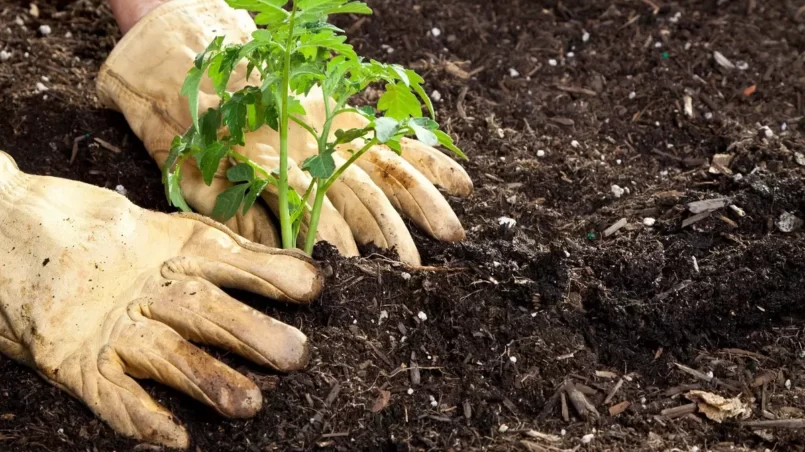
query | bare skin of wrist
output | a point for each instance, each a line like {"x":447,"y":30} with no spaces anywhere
{"x":129,"y":12}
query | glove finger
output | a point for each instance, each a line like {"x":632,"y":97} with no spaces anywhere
{"x":255,"y":225}
{"x":225,"y":259}
{"x":410,"y":192}
{"x":370,"y":214}
{"x":437,"y":167}
{"x":203,"y":313}
{"x":126,"y":407}
{"x":150,"y":349}
{"x":332,"y":227}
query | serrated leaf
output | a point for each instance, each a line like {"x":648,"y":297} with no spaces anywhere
{"x":320,"y":165}
{"x":401,"y":73}
{"x":394,"y":145}
{"x":210,"y":123}
{"x":367,"y":111}
{"x":257,"y":187}
{"x":416,"y":84}
{"x":424,"y":135}
{"x":241,"y":172}
{"x":399,"y":103}
{"x":446,"y":141}
{"x":271,"y":11}
{"x":425,"y":122}
{"x":295,"y":107}
{"x":353,"y":8}
{"x":190,"y":90}
{"x":211,"y":160}
{"x":386,"y":128}
{"x":201,"y":59}
{"x":234,"y":116}
{"x":228,"y":202}
{"x":173,"y":187}
{"x":221,"y":67}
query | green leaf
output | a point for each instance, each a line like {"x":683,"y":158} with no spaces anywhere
{"x":228,"y":202}
{"x":295,"y":107}
{"x":234,"y":116}
{"x":353,"y":8}
{"x":424,"y":135}
{"x":190,"y":90}
{"x":173,"y":187}
{"x":271,"y":11}
{"x":211,"y":159}
{"x":210,"y":123}
{"x":394,"y":145}
{"x":241,"y":172}
{"x":221,"y":67}
{"x":346,"y":136}
{"x":320,"y":165}
{"x":400,"y":71}
{"x":367,"y":111}
{"x":257,"y":187}
{"x":446,"y":141}
{"x":399,"y":103}
{"x":201,"y":59}
{"x":426,"y":123}
{"x":386,"y":128}
{"x":416,"y":84}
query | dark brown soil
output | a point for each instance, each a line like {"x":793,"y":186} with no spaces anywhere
{"x":513,"y":314}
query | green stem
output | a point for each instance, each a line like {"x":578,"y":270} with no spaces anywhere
{"x":305,"y":126}
{"x":257,"y":168}
{"x":355,"y":156}
{"x":315,"y":214}
{"x":282,"y":187}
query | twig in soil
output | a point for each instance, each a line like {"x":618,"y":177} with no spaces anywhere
{"x":460,"y":103}
{"x":707,"y":205}
{"x":415,"y":377}
{"x":583,"y":407}
{"x":576,"y":90}
{"x":615,"y":227}
{"x":654,"y":8}
{"x":467,"y":410}
{"x":705,"y":377}
{"x":679,"y":411}
{"x":695,"y":219}
{"x":778,"y":423}
{"x":107,"y":145}
{"x":550,"y":404}
{"x":75,"y":146}
{"x":614,"y":391}
{"x":565,"y":410}
{"x":676,"y":390}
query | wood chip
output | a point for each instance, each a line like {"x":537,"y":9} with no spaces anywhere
{"x":721,"y":164}
{"x":615,"y":227}
{"x":778,"y":423}
{"x":583,"y":407}
{"x":765,"y":377}
{"x":614,"y":391}
{"x":542,"y":436}
{"x":565,"y":410}
{"x":679,"y":411}
{"x":381,"y":402}
{"x":750,"y":90}
{"x":454,"y":70}
{"x":575,"y":90}
{"x":615,"y":410}
{"x":707,"y":205}
{"x":605,"y":374}
{"x":695,"y":219}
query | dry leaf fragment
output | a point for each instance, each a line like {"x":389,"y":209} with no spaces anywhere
{"x":615,"y":410}
{"x":718,"y":408}
{"x":750,"y":90}
{"x":381,"y":402}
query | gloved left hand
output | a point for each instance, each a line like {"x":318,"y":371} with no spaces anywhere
{"x":95,"y":291}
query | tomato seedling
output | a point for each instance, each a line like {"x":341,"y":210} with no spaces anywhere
{"x":295,"y":52}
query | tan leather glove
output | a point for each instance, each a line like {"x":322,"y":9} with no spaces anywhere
{"x":95,"y":291}
{"x":143,"y":76}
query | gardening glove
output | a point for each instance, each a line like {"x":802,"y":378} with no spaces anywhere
{"x":95,"y":291}
{"x":142,"y":78}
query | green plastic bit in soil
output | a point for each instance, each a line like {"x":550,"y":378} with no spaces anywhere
{"x":296,"y":52}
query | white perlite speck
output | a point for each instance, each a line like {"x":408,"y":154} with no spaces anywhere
{"x":648,"y":221}
{"x":4,"y":56}
{"x":513,"y":73}
{"x":436,"y":32}
{"x":422,"y":316}
{"x":617,"y":191}
{"x":40,"y":87}
{"x":436,"y":96}
{"x":513,"y":359}
{"x":585,"y":37}
{"x":552,"y":62}
{"x":588,"y":438}
{"x":410,"y":391}
{"x":121,"y":189}
{"x":506,"y":221}
{"x":540,"y":153}
{"x":575,"y":144}
{"x":45,"y":30}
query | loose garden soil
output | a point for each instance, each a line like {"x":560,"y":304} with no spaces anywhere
{"x":555,"y":102}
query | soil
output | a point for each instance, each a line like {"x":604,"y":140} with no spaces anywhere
{"x":564,"y":100}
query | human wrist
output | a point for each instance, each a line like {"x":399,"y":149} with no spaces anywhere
{"x":128,"y":12}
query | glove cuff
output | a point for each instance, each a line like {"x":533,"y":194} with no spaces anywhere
{"x":144,"y":73}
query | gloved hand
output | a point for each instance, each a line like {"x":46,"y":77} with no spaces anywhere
{"x":95,"y":291}
{"x":142,"y":78}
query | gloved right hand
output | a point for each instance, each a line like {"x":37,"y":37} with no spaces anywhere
{"x":143,"y":76}
{"x":95,"y":291}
